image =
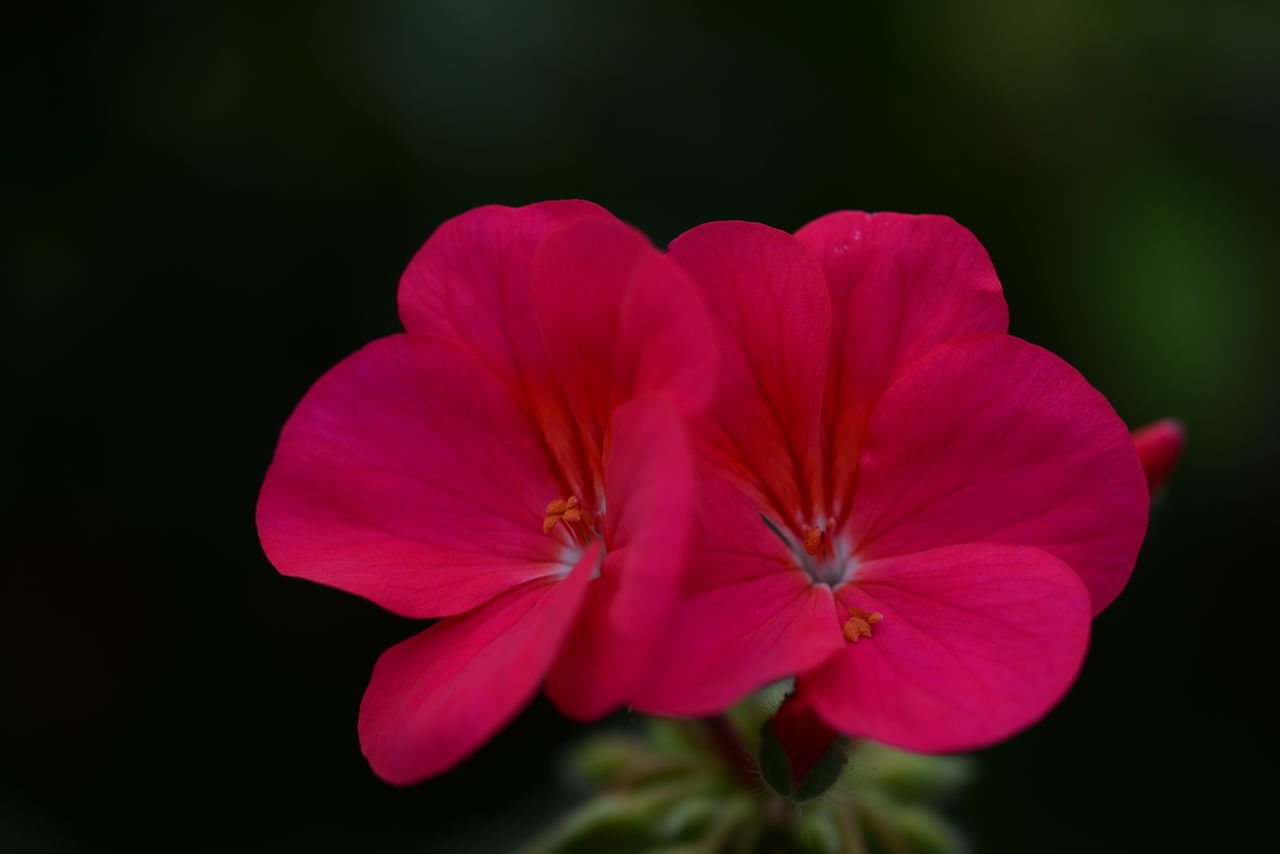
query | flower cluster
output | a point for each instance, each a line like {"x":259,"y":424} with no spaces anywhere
{"x":666,"y":480}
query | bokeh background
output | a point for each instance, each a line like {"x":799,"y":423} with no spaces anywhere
{"x":205,"y":205}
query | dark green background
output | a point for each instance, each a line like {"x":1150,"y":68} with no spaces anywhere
{"x":205,"y":205}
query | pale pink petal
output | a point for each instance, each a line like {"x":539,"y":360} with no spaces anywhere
{"x":408,"y":475}
{"x":974,"y":643}
{"x":750,"y":615}
{"x":650,"y":490}
{"x":619,"y":319}
{"x":900,"y":285}
{"x":773,"y":315}
{"x":435,"y":698}
{"x":988,"y":438}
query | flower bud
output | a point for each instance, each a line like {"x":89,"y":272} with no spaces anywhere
{"x":800,"y":756}
{"x":1159,"y":447}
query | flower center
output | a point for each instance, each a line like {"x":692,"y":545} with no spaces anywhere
{"x":825,"y":559}
{"x":859,"y":624}
{"x":570,"y":515}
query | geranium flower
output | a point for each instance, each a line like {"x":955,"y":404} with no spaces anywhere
{"x":913,"y":511}
{"x":516,"y":463}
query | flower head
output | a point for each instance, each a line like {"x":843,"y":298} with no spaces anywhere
{"x":516,"y":463}
{"x":913,"y":511}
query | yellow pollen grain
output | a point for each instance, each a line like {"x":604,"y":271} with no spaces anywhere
{"x":859,"y":624}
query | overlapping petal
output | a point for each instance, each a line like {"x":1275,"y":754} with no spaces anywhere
{"x":976,"y":642}
{"x":749,"y":615}
{"x":990,"y":439}
{"x":409,"y":475}
{"x":900,"y":285}
{"x":435,"y":698}
{"x":649,"y":478}
{"x":773,"y":319}
{"x":618,"y":320}
{"x":469,"y":283}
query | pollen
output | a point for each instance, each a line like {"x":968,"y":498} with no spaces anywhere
{"x":859,"y":624}
{"x":816,"y":542}
{"x":565,"y":509}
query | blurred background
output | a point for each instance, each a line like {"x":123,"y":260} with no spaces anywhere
{"x":206,"y":205}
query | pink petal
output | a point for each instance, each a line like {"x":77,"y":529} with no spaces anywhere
{"x":900,"y":285}
{"x":750,"y":616}
{"x":435,"y":698}
{"x":774,"y":323}
{"x":989,"y":438}
{"x":619,"y":320}
{"x":976,"y":642}
{"x":469,"y":283}
{"x":408,"y":475}
{"x":650,"y":491}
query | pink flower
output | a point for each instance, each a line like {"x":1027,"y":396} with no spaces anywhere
{"x":913,"y":511}
{"x":517,"y":463}
{"x":1159,"y":447}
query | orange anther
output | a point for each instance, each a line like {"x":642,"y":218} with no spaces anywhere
{"x":561,"y":508}
{"x":859,"y":624}
{"x":815,"y":542}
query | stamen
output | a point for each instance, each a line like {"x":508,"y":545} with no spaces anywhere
{"x":566,"y":511}
{"x":859,"y":624}
{"x":561,"y":508}
{"x":816,"y":542}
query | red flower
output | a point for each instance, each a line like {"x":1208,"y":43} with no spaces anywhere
{"x":461,"y":471}
{"x":910,"y":509}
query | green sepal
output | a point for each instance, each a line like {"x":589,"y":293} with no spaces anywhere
{"x":825,"y":772}
{"x":775,"y":765}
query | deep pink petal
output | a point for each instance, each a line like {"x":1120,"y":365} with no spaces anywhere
{"x":650,"y":491}
{"x":750,"y":616}
{"x":408,"y":475}
{"x":619,"y":319}
{"x":976,"y":642}
{"x":773,"y":314}
{"x":900,"y":285}
{"x":435,"y":698}
{"x":469,"y":283}
{"x":989,"y":438}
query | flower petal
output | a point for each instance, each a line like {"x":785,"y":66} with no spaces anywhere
{"x":773,"y":316}
{"x":650,"y":490}
{"x":469,"y":283}
{"x":976,"y":642}
{"x":988,"y":438}
{"x":408,"y":475}
{"x":900,"y":285}
{"x":619,"y":320}
{"x":435,"y":698}
{"x":750,"y":616}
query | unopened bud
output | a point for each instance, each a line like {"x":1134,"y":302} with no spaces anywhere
{"x":1159,"y":447}
{"x":800,"y":756}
